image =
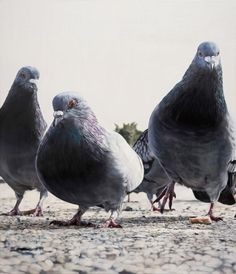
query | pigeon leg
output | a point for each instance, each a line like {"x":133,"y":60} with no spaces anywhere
{"x":153,"y":208}
{"x":111,"y":222}
{"x":211,"y":215}
{"x":15,"y":211}
{"x":169,"y":194}
{"x":160,"y":196}
{"x":38,"y":211}
{"x":76,"y":220}
{"x":39,"y":208}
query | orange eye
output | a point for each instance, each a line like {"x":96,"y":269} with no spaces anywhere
{"x":72,"y":103}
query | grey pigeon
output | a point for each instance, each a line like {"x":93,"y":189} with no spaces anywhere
{"x":21,"y":129}
{"x":82,"y":163}
{"x":190,"y":130}
{"x":155,"y":181}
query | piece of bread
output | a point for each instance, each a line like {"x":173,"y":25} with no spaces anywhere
{"x":200,"y":220}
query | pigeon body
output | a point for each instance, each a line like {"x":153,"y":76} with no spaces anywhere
{"x":190,"y":130}
{"x":21,"y":129}
{"x":86,"y":165}
{"x":228,"y":195}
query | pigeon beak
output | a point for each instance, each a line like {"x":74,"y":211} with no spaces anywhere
{"x":58,"y":116}
{"x":213,"y":61}
{"x":34,"y":81}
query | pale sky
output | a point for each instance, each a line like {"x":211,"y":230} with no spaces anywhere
{"x":122,"y":56}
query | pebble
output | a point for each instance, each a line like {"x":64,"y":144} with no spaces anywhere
{"x":34,"y":268}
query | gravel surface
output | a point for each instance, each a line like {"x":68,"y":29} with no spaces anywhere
{"x":148,"y":242}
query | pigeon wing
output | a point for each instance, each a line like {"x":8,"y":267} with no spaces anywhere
{"x":126,"y":161}
{"x":142,"y":148}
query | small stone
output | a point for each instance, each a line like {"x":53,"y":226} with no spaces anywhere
{"x":34,"y":269}
{"x":47,"y":265}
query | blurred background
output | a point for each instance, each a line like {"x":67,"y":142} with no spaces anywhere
{"x":121,"y":56}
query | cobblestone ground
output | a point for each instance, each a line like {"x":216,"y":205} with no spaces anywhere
{"x":148,"y":242}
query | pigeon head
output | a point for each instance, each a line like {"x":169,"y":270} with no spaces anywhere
{"x":207,"y":56}
{"x":69,"y":103}
{"x":27,"y":78}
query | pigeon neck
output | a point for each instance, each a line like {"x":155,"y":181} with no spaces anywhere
{"x":200,"y":100}
{"x":86,"y":123}
{"x":22,"y":105}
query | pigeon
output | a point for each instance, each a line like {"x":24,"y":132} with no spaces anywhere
{"x":82,"y":163}
{"x":21,"y":129}
{"x":190,"y":130}
{"x":155,"y":181}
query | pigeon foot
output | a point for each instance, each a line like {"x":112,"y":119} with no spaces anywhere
{"x":13,"y":212}
{"x":212,"y":216}
{"x":215,"y":218}
{"x":111,"y":223}
{"x":36,"y":212}
{"x":72,"y":222}
{"x":168,"y":193}
{"x":75,"y":221}
{"x":158,"y":209}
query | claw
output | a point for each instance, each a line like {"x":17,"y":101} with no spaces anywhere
{"x":111,"y":224}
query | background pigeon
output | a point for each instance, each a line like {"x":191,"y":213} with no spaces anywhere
{"x":21,"y":129}
{"x":190,"y":130}
{"x":155,"y":181}
{"x":82,"y":163}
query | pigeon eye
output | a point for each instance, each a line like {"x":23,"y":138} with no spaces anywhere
{"x":23,"y":75}
{"x":200,"y":54}
{"x":72,"y":103}
{"x":217,"y":53}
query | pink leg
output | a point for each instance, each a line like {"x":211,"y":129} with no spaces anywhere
{"x":211,"y":215}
